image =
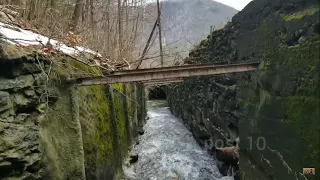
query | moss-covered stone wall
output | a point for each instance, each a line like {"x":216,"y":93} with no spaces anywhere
{"x":51,"y":130}
{"x":274,"y":110}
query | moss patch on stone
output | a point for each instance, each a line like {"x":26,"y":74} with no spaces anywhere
{"x":95,"y":124}
{"x":10,"y":51}
{"x":302,"y":108}
{"x":301,"y":14}
{"x":118,"y":95}
{"x":290,"y":95}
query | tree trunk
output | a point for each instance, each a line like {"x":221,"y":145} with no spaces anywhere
{"x":92,"y":14}
{"x":32,"y":6}
{"x":119,"y":29}
{"x":76,"y":15}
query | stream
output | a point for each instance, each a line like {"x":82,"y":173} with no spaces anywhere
{"x":168,"y":151}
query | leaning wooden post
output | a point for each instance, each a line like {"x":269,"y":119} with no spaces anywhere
{"x":77,"y":126}
{"x":126,"y":113}
{"x":114,"y":127}
{"x":160,"y":36}
{"x":147,"y":44}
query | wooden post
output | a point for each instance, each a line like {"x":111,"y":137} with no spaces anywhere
{"x":77,"y":125}
{"x":114,"y":127}
{"x":139,"y":108}
{"x":144,"y":110}
{"x":134,"y":118}
{"x":159,"y":27}
{"x":147,"y":44}
{"x":126,"y":113}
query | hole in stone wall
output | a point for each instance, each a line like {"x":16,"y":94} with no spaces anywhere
{"x":26,"y":109}
{"x":157,"y":93}
{"x":11,"y":167}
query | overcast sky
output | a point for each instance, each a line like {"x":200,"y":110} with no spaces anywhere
{"x":237,"y":4}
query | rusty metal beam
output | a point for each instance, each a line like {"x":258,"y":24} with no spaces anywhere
{"x":165,"y":73}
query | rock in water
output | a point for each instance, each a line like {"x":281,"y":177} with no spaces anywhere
{"x":129,"y":174}
{"x":172,"y":175}
{"x":137,"y":142}
{"x":134,"y":158}
{"x":140,"y":131}
{"x":227,"y":178}
{"x":228,"y":155}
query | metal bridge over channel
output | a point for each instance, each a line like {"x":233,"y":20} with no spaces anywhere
{"x":165,"y":75}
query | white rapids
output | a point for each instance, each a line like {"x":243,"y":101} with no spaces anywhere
{"x":168,"y":151}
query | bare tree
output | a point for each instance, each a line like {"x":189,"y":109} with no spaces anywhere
{"x":76,"y":14}
{"x":113,"y":27}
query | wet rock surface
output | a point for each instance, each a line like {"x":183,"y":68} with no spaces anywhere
{"x":167,"y":150}
{"x":20,"y":154}
{"x":279,"y":103}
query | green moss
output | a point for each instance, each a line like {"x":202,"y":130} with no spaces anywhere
{"x":301,"y":14}
{"x":283,"y":36}
{"x":294,"y":99}
{"x":299,"y":66}
{"x":133,"y":106}
{"x":10,"y":51}
{"x":249,"y":103}
{"x":94,"y":114}
{"x":131,"y":103}
{"x":60,"y":73}
{"x":303,"y":106}
{"x":103,"y":136}
{"x":100,"y":106}
{"x":120,"y":115}
{"x":264,"y":97}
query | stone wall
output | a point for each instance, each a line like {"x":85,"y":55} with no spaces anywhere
{"x":50,"y":130}
{"x":276,"y":107}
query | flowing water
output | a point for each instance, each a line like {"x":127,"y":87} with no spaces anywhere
{"x":167,"y":151}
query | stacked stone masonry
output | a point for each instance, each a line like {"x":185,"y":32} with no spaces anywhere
{"x":48,"y":131}
{"x":274,"y":111}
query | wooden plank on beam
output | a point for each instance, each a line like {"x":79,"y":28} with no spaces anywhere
{"x":166,"y":74}
{"x":162,"y":80}
{"x":161,"y":83}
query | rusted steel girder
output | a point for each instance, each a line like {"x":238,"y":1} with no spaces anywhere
{"x":165,"y":73}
